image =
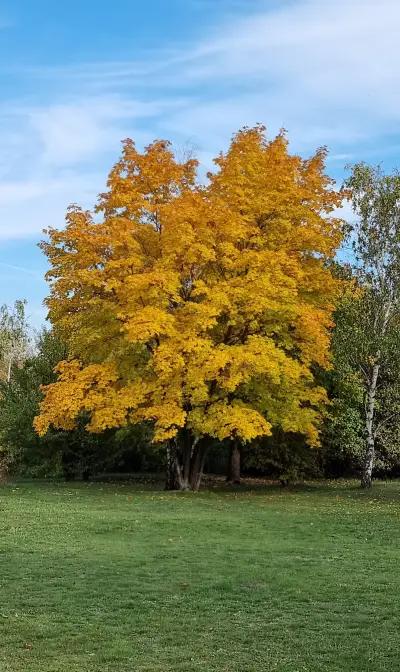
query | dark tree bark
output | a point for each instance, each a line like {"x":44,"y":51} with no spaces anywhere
{"x":233,"y":475}
{"x":185,"y":462}
{"x":3,"y":472}
{"x":171,"y":482}
{"x":198,"y":461}
{"x":68,"y":467}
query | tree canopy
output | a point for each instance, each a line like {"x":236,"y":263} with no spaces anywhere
{"x":197,"y":307}
{"x":367,"y":333}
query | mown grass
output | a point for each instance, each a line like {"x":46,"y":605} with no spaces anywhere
{"x":110,"y":578}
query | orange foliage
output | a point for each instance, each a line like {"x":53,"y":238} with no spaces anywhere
{"x":197,"y":306}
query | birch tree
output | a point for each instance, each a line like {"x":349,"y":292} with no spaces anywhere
{"x":368,"y":327}
{"x":14,"y":338}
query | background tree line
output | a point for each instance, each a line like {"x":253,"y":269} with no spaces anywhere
{"x":211,"y":327}
{"x":77,"y":454}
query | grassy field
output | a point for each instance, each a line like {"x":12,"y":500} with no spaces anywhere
{"x":111,"y":578}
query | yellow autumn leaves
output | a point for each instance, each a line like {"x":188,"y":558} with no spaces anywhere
{"x":195,"y":306}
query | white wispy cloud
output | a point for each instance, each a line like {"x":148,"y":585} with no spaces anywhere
{"x":74,"y":132}
{"x":327,"y":70}
{"x":60,"y":153}
{"x":28,"y":206}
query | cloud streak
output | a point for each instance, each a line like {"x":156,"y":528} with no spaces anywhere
{"x":20,"y":269}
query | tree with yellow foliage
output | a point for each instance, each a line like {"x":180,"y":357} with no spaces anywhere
{"x":202,"y":309}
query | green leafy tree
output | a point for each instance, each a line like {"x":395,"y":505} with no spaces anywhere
{"x":20,"y":396}
{"x":71,"y":454}
{"x":284,"y":456}
{"x":367,"y":329}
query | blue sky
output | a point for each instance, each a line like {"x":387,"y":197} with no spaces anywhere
{"x":76,"y":77}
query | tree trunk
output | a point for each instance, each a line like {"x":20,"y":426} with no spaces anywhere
{"x":188,"y":446}
{"x":368,"y":465}
{"x":3,"y":471}
{"x":171,"y":482}
{"x":185,"y":462}
{"x":9,"y":370}
{"x":234,"y":464}
{"x":198,"y":461}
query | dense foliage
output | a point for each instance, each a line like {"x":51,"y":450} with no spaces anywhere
{"x":72,"y":454}
{"x":200,"y":309}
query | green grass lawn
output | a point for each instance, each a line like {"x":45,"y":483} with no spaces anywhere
{"x":112,"y":578}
